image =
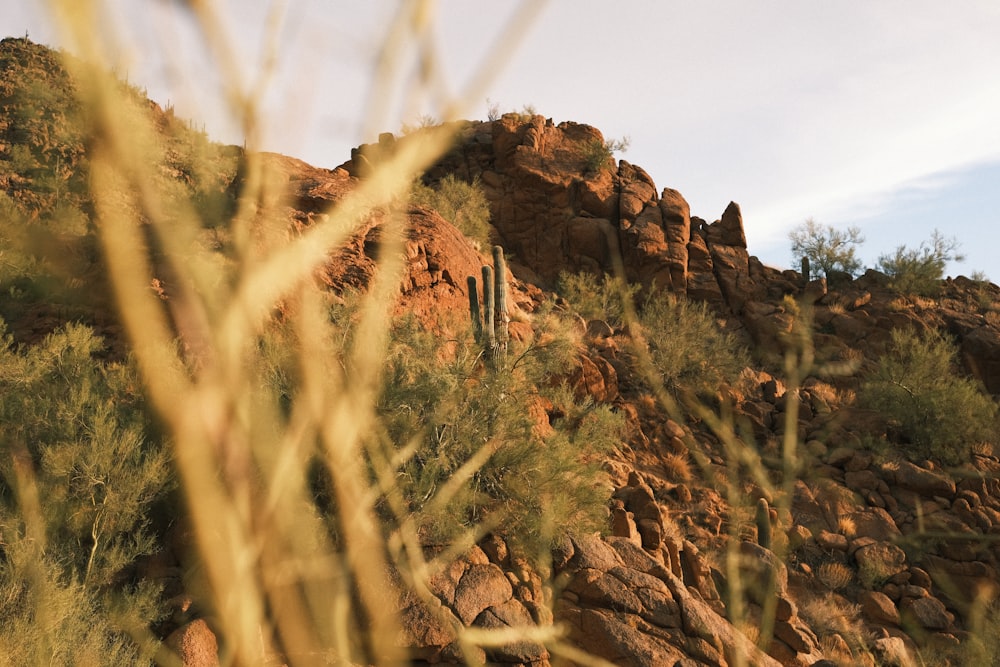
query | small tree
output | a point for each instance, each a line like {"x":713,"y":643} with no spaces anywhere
{"x":479,"y":454}
{"x":597,"y":153}
{"x":462,"y":204}
{"x":80,"y":477}
{"x":940,"y":413}
{"x":687,"y":347}
{"x":828,"y":248}
{"x":596,"y":298}
{"x":919,"y":270}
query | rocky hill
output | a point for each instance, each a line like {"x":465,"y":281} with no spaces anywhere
{"x":880,"y":557}
{"x":777,"y":519}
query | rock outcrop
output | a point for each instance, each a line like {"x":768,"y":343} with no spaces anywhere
{"x":648,"y":594}
{"x":682,"y":577}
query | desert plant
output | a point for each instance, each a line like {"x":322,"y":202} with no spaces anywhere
{"x":492,"y":110}
{"x":597,"y":153}
{"x":478,"y":436}
{"x":835,"y":576}
{"x":275,"y":442}
{"x":920,"y":270}
{"x":939,"y":412}
{"x":597,"y":297}
{"x":677,"y":467}
{"x":830,"y":614}
{"x":826,"y":247}
{"x":460,"y":203}
{"x":422,"y":121}
{"x":490,"y":329}
{"x":689,"y":350}
{"x":77,"y":498}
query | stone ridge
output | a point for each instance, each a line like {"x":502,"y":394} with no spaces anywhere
{"x":684,"y":575}
{"x":654,"y":592}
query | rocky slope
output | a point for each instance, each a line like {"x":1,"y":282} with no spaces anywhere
{"x":874,"y":558}
{"x":721,"y":548}
{"x":859,"y":579}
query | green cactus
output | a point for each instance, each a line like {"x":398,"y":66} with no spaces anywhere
{"x":764,"y":530}
{"x":489,"y":326}
{"x":477,"y":320}
{"x":500,"y":299}
{"x":490,"y":338}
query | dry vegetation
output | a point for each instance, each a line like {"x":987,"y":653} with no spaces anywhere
{"x":314,"y":443}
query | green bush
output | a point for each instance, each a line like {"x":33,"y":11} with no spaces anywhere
{"x":688,"y":348}
{"x":920,"y":270}
{"x":940,"y":414}
{"x":827,"y":248}
{"x":460,"y":203}
{"x":595,"y":298}
{"x":531,"y":481}
{"x":597,"y":153}
{"x":81,"y":477}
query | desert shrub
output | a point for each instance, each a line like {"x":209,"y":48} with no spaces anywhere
{"x":460,"y":203}
{"x":838,"y":625}
{"x":835,"y":576}
{"x":423,"y":121}
{"x":939,"y":413}
{"x":529,"y":477}
{"x":524,"y":114}
{"x":492,"y":110}
{"x":827,"y":248}
{"x":597,"y":153}
{"x":688,"y":349}
{"x":677,"y":467}
{"x":597,"y":298}
{"x":81,"y":478}
{"x":920,"y":270}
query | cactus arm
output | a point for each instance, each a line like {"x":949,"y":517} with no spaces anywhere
{"x":500,"y":298}
{"x":489,"y":340}
{"x":474,"y":314}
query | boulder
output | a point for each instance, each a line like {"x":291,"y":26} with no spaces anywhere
{"x":927,"y":483}
{"x":594,"y":588}
{"x":981,"y":353}
{"x":511,"y":614}
{"x":728,"y":230}
{"x":928,"y":612}
{"x":878,"y":608}
{"x":676,"y":215}
{"x":610,"y":636}
{"x":482,"y":586}
{"x":194,"y":644}
{"x":874,"y":522}
{"x":878,"y":561}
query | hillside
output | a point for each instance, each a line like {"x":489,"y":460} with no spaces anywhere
{"x":246,"y":416}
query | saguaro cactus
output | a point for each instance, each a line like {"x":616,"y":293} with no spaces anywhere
{"x":477,"y":320}
{"x":500,"y":300}
{"x":764,"y":529}
{"x":490,"y":326}
{"x":490,"y":338}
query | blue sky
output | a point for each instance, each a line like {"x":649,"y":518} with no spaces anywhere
{"x":880,"y":114}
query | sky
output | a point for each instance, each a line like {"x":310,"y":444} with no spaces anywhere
{"x":882,"y":115}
